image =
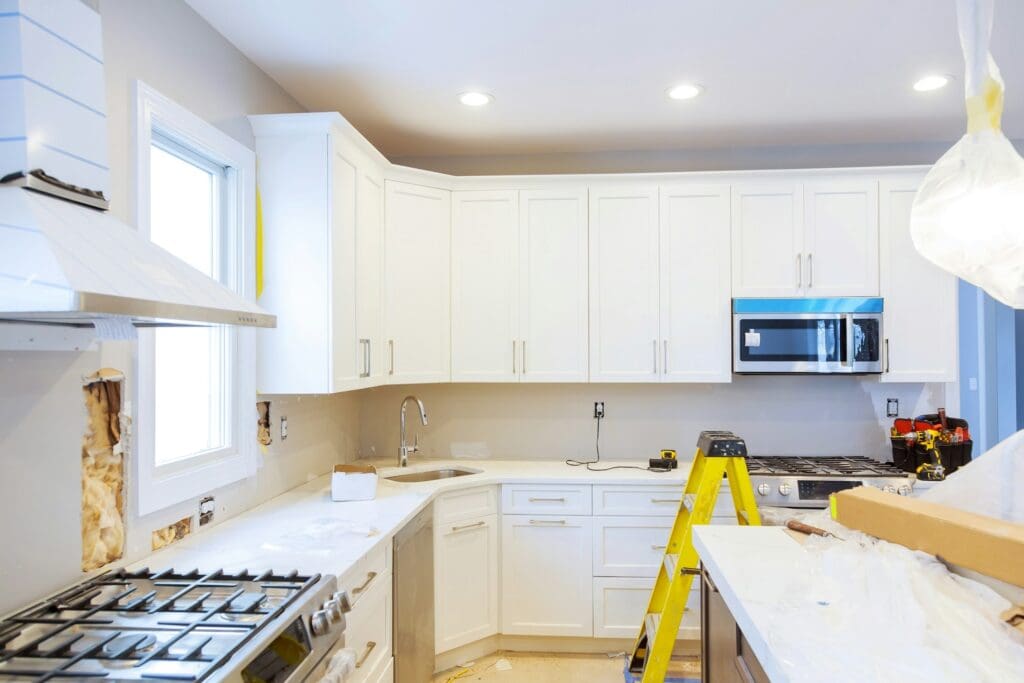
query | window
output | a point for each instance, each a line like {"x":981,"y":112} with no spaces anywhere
{"x":195,"y":384}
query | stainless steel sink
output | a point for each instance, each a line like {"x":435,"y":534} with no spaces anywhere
{"x":432,"y":475}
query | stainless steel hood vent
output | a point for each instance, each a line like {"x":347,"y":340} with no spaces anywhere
{"x":69,"y":263}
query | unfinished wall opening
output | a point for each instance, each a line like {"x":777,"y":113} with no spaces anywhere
{"x":103,"y":471}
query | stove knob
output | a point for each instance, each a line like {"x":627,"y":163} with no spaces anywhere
{"x":333,"y":609}
{"x":889,"y":488}
{"x":904,"y":490}
{"x":319,"y":623}
{"x":764,"y":489}
{"x":343,"y":601}
{"x":784,"y":489}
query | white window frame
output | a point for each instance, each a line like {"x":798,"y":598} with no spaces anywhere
{"x":161,"y":486}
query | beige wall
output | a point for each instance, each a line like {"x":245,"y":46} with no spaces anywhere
{"x":825,"y":415}
{"x":42,"y":415}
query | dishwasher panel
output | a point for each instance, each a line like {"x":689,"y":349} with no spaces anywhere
{"x":414,"y":599}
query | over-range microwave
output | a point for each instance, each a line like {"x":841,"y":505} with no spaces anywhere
{"x":813,"y":336}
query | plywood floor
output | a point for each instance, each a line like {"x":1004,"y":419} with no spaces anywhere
{"x":541,"y":668}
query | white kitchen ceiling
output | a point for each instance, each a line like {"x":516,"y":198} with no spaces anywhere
{"x":592,"y":75}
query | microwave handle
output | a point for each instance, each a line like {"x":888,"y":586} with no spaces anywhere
{"x":848,"y":360}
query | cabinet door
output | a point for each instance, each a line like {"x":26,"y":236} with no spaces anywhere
{"x":344,"y":176}
{"x":553,"y":285}
{"x":624,"y":309}
{"x":912,"y":351}
{"x":696,"y":288}
{"x":767,"y":239}
{"x":485,"y":273}
{"x":546,"y":584}
{"x":620,"y":604}
{"x":369,"y":276}
{"x":416,"y":264}
{"x":841,"y":238}
{"x":630,"y":546}
{"x":465,"y":581}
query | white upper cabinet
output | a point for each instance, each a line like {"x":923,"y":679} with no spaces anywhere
{"x":417,"y":276}
{"x":696,"y":319}
{"x":370,"y":276}
{"x":309,"y":178}
{"x":767,"y":239}
{"x":553,"y":285}
{"x":485,"y":286}
{"x":841,"y":238}
{"x":624,"y":284}
{"x":813,"y":239}
{"x":913,"y":351}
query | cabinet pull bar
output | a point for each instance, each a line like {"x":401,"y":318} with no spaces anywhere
{"x":664,"y":500}
{"x":366,"y":653}
{"x":370,"y":576}
{"x":468,"y":526}
{"x":664,"y":360}
{"x":799,"y":270}
{"x":547,"y":500}
{"x":658,"y":547}
{"x":513,"y":356}
{"x":524,"y":356}
{"x":391,"y":349}
{"x":810,"y":271}
{"x":547,"y":521}
{"x":655,"y":343}
{"x":365,"y":344}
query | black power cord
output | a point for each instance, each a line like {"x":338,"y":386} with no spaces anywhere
{"x":589,"y":464}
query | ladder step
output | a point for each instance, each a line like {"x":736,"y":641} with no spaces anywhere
{"x":670,"y":562}
{"x":651,"y":623}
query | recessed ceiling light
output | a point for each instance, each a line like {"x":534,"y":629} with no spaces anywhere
{"x":475,"y":99}
{"x":933,"y":82}
{"x":685,"y":91}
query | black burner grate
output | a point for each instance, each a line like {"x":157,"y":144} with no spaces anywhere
{"x":830,"y":466}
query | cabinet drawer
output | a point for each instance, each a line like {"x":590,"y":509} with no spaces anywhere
{"x":478,"y":502}
{"x":637,"y":500}
{"x":519,"y":499}
{"x":620,"y":604}
{"x":370,"y":570}
{"x":630,"y":546}
{"x":368,"y":629}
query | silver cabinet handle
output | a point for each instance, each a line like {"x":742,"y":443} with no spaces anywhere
{"x":547,"y":521}
{"x":468,"y":526}
{"x":365,"y":343}
{"x":887,"y":354}
{"x":524,"y":356}
{"x":799,"y":270}
{"x":658,"y":547}
{"x":810,"y":271}
{"x":366,"y":653}
{"x":391,"y":348}
{"x":655,"y":342}
{"x":513,"y":356}
{"x":664,"y":361}
{"x":369,"y":357}
{"x":547,"y":500}
{"x":370,"y":576}
{"x":664,"y":500}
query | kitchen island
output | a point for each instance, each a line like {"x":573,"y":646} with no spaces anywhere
{"x":820,"y":609}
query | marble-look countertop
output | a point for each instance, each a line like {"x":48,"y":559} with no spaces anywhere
{"x":304,"y":529}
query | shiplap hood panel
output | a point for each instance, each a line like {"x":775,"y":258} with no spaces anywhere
{"x":61,"y":262}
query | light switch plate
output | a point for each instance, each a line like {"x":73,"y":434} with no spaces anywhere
{"x":284,"y":427}
{"x":892,"y":407}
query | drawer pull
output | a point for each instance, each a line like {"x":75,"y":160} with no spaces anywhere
{"x":366,"y":653}
{"x":664,"y":500}
{"x":547,"y":521}
{"x":370,"y":576}
{"x":658,"y":547}
{"x":468,"y":526}
{"x":547,"y":500}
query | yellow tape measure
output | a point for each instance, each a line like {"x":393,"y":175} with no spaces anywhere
{"x":668,"y":453}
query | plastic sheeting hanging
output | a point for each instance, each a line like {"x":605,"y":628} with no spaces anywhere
{"x":968,"y":216}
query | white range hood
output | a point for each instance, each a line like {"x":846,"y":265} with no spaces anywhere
{"x":63,"y":259}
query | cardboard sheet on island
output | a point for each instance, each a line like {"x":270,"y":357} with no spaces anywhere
{"x":985,"y":544}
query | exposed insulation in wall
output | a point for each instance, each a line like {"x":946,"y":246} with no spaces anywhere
{"x":103,"y":532}
{"x":172,"y":532}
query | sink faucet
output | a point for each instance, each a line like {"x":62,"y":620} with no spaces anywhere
{"x":403,"y":449}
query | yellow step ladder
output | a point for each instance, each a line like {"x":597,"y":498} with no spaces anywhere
{"x":718,"y":454}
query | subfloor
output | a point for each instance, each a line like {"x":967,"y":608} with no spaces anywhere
{"x":527,"y":667}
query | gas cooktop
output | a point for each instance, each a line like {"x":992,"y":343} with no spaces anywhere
{"x":807,"y":482}
{"x":827,"y":466}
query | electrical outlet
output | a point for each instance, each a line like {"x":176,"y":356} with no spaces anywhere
{"x":284,"y":427}
{"x":892,"y":407}
{"x":206,"y":508}
{"x":598,"y":409}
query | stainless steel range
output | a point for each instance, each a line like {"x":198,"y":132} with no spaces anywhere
{"x":130,"y":626}
{"x":807,"y":482}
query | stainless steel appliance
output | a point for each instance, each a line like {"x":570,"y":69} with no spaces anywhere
{"x":414,"y":599}
{"x":817,"y":336}
{"x":131,"y":626}
{"x":807,"y":482}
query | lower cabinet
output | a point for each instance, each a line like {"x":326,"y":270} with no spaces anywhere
{"x":546,"y":575}
{"x":465,"y":581}
{"x":368,"y":630}
{"x":621,"y":602}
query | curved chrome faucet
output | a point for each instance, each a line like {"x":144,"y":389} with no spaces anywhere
{"x":403,"y":449}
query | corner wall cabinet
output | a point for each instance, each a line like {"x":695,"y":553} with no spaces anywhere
{"x":381,"y":274}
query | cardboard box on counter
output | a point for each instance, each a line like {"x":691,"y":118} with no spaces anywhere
{"x":987,"y":545}
{"x":353,"y":482}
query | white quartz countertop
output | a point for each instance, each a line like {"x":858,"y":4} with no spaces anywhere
{"x":304,"y":529}
{"x":856,"y":610}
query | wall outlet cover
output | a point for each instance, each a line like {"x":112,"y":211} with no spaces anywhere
{"x":892,"y":407}
{"x":598,"y":409}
